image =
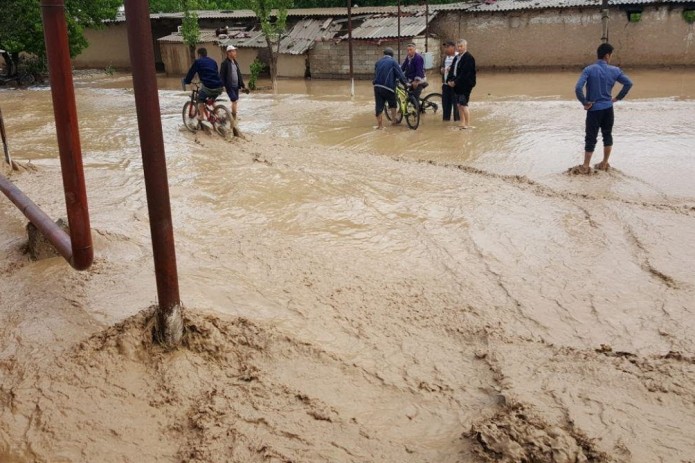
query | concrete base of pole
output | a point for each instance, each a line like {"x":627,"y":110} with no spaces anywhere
{"x":168,"y":327}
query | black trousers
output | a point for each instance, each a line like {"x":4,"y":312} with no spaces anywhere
{"x":449,"y":103}
{"x":595,"y":120}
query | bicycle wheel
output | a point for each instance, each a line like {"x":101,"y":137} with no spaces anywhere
{"x":412,"y":112}
{"x":222,"y":120}
{"x":431,"y":104}
{"x":190,"y":111}
{"x":399,"y":115}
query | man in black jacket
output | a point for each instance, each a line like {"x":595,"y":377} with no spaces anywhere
{"x":461,"y":78}
{"x":231,"y":77}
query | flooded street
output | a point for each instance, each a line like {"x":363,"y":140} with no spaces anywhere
{"x":356,"y":295}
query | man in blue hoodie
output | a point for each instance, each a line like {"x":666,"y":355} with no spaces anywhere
{"x":386,"y":74}
{"x":599,"y":79}
{"x":211,"y":84}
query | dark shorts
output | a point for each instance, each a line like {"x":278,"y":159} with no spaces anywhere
{"x":233,"y":94}
{"x":383,"y":96}
{"x":595,"y":120}
{"x":462,"y":99}
{"x":204,"y":93}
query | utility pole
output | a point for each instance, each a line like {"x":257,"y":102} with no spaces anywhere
{"x":352,"y":75}
{"x":604,"y":21}
{"x":399,"y":31}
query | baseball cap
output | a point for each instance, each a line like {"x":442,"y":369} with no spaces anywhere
{"x":231,"y":47}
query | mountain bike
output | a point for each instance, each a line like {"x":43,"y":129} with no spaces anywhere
{"x":406,"y":104}
{"x":431,"y":104}
{"x":218,"y":115}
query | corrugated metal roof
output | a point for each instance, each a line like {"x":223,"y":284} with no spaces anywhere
{"x":386,"y":26}
{"x":206,"y":35}
{"x":513,"y":5}
{"x":299,"y":39}
{"x":473,"y":6}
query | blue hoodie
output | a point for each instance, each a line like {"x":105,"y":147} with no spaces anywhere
{"x":206,"y":68}
{"x":386,"y":72}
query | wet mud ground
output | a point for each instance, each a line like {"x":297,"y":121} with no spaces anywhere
{"x":357,"y":295}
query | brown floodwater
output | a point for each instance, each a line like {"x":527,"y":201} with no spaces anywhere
{"x":402,"y":285}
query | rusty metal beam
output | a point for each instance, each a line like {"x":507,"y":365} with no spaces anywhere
{"x":76,"y":247}
{"x":154,"y":164}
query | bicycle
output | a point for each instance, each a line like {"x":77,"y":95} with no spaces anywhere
{"x":406,"y":104}
{"x":216,"y":114}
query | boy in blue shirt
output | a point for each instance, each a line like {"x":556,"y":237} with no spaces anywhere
{"x":599,"y":79}
{"x":211,"y":84}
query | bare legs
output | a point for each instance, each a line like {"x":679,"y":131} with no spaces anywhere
{"x":465,"y":116}
{"x":603,"y":165}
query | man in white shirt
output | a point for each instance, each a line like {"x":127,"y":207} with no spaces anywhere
{"x":448,"y":95}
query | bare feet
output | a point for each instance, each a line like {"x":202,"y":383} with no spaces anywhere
{"x":379,"y":127}
{"x":604,"y":166}
{"x":462,"y":127}
{"x":579,"y":170}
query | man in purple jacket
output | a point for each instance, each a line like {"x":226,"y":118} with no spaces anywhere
{"x":599,"y":79}
{"x":414,"y":69}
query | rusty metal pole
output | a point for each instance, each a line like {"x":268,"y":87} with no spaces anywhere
{"x":8,"y":158}
{"x":169,"y":319}
{"x":65,"y":110}
{"x":352,"y":74}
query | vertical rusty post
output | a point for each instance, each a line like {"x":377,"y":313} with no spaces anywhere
{"x":8,"y":158}
{"x":65,"y":111}
{"x":352,"y":75}
{"x":169,"y":325}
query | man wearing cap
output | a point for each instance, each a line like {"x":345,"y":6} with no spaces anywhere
{"x":386,"y":74}
{"x":211,"y":85}
{"x":231,"y":77}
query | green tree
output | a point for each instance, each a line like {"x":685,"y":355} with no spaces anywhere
{"x":273,"y":24}
{"x":21,"y":29}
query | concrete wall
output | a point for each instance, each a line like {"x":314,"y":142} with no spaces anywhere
{"x":569,"y":37}
{"x":177,"y":60}
{"x":291,"y":65}
{"x":331,"y":60}
{"x":537,"y":38}
{"x":107,"y":47}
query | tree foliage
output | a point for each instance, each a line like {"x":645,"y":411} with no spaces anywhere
{"x":272,"y":14}
{"x":21,"y":28}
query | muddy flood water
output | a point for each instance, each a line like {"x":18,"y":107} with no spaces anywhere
{"x":355,"y":295}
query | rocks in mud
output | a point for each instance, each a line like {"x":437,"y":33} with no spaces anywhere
{"x":38,"y":245}
{"x":514,"y":434}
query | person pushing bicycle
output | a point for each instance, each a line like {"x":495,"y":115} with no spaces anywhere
{"x":211,"y":84}
{"x":386,"y":74}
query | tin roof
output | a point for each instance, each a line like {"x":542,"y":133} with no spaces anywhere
{"x":386,"y":26}
{"x":471,"y":5}
{"x":298,"y":40}
{"x":206,"y":35}
{"x":514,"y":5}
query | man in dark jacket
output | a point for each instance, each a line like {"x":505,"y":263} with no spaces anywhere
{"x":231,"y":77}
{"x":461,"y":78}
{"x":386,"y":74}
{"x":211,"y":85}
